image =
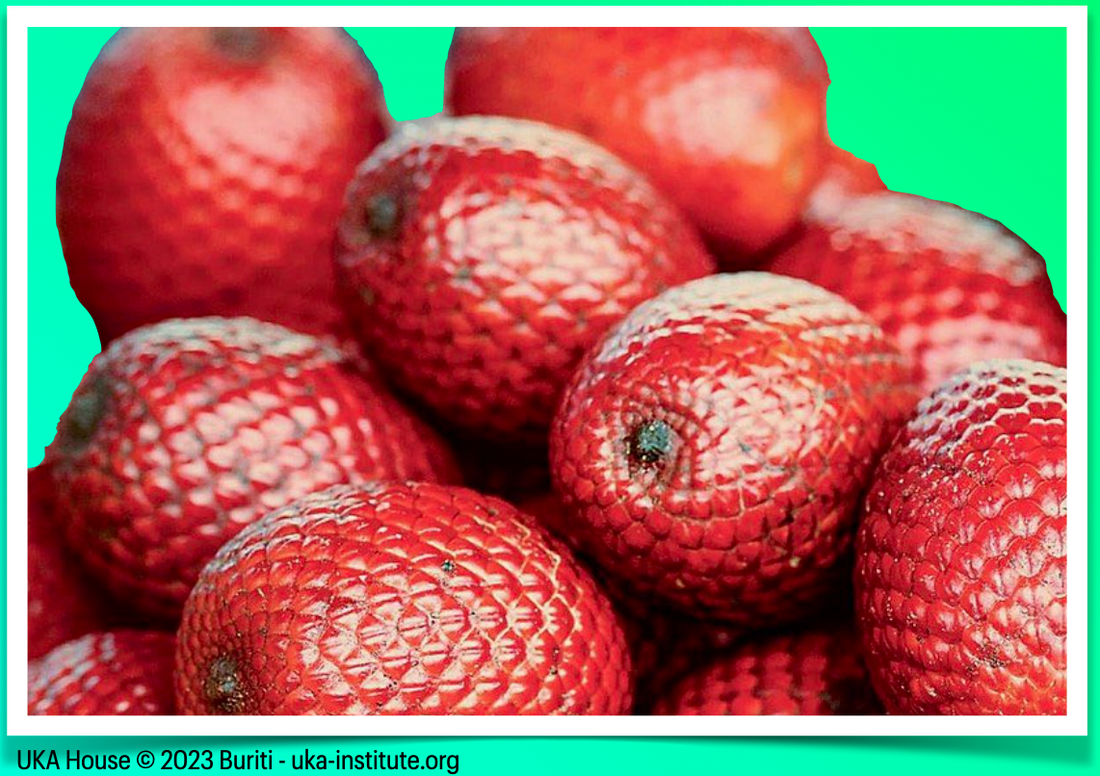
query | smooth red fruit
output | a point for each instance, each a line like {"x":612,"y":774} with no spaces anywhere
{"x":950,"y":286}
{"x":729,"y":122}
{"x":961,"y":555}
{"x":812,"y":672}
{"x":186,"y":431}
{"x":713,"y":448}
{"x":203,"y":171}
{"x":114,"y":673}
{"x":399,"y":599}
{"x":481,"y":258}
{"x":62,"y":603}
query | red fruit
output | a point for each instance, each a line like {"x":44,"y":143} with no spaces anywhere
{"x":714,"y":446}
{"x":116,"y":673}
{"x":951,"y":286}
{"x":729,"y":122}
{"x":961,"y":556}
{"x":186,"y":431}
{"x":62,"y":603}
{"x":498,"y":252}
{"x":203,"y":171}
{"x":845,"y":175}
{"x":811,"y":672}
{"x":399,"y":599}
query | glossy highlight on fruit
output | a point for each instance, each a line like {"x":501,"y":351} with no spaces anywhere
{"x":399,"y":599}
{"x":713,"y":448}
{"x":203,"y":171}
{"x":809,"y":672}
{"x":115,"y":673}
{"x":728,"y":122}
{"x":950,"y":286}
{"x":498,"y":251}
{"x":961,"y":554}
{"x":184,"y":432}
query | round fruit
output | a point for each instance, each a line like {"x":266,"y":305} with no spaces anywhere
{"x":961,"y":555}
{"x":814,"y":672}
{"x":498,"y":251}
{"x":116,"y":673}
{"x":729,"y":122}
{"x":713,"y":448}
{"x":399,"y":599}
{"x":203,"y":170}
{"x":950,"y":286}
{"x":186,"y":431}
{"x":62,"y":603}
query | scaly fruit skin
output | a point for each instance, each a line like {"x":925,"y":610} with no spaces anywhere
{"x":203,"y":171}
{"x":961,"y":555}
{"x":399,"y":599}
{"x":812,"y":672}
{"x":498,"y":251}
{"x":952,"y":287}
{"x":714,"y":446}
{"x":186,"y":431}
{"x":114,"y":673}
{"x":62,"y":603}
{"x":729,"y":122}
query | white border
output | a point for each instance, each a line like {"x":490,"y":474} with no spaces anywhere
{"x":1074,"y":18}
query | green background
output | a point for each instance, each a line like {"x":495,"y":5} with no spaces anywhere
{"x":971,"y":116}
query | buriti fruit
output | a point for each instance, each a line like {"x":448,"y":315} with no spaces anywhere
{"x":62,"y":603}
{"x":481,"y":258}
{"x":399,"y":599}
{"x":950,"y":286}
{"x":810,"y":672}
{"x":961,"y":554}
{"x":115,"y":673}
{"x":184,"y":432}
{"x":729,"y":122}
{"x":714,"y":446}
{"x":203,"y":170}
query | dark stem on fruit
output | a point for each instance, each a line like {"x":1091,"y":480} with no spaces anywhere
{"x":85,"y":413}
{"x":223,"y":687}
{"x":650,"y":443}
{"x":383,"y":216}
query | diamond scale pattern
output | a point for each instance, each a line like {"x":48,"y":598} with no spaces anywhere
{"x":516,"y":246}
{"x":961,"y":556}
{"x":400,"y":599}
{"x":777,"y":397}
{"x":115,"y":673}
{"x":952,"y":287}
{"x":184,"y":432}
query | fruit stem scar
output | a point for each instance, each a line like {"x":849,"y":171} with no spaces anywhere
{"x":383,"y":215}
{"x":86,"y":411}
{"x":650,"y":442}
{"x":224,"y":689}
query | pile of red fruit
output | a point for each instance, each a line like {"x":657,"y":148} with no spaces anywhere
{"x":830,"y":480}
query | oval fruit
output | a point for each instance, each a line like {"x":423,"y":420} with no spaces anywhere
{"x":399,"y":599}
{"x":183,"y":432}
{"x":961,"y":554}
{"x":714,"y":447}
{"x":203,"y":170}
{"x":728,"y":122}
{"x":498,"y":251}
